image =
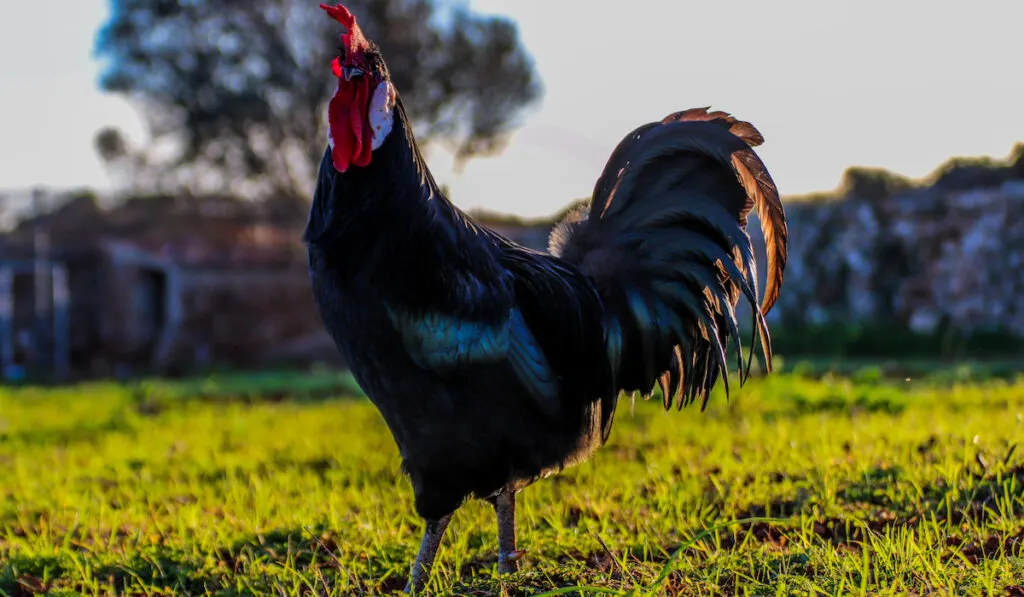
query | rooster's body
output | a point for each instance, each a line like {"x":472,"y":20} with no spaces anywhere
{"x":494,"y":365}
{"x":447,"y":327}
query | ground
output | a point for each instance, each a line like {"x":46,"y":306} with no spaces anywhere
{"x":864,"y":483}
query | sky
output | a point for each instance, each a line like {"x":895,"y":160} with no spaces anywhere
{"x":900,"y":85}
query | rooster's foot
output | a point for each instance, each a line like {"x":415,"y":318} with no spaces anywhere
{"x":508,"y":563}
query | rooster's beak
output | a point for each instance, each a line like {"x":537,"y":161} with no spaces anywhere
{"x":349,"y":72}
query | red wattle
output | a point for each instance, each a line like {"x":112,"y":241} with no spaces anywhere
{"x":350,"y":127}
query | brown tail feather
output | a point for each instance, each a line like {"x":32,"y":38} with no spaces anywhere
{"x":761,"y":191}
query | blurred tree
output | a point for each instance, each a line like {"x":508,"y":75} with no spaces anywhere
{"x":126,"y":165}
{"x":110,"y":144}
{"x":873,"y":183}
{"x":1016,"y":158}
{"x":984,"y":171}
{"x":236,"y":91}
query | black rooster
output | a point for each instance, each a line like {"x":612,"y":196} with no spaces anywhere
{"x":494,"y":365}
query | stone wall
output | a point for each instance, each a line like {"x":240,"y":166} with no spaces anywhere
{"x":919,"y":259}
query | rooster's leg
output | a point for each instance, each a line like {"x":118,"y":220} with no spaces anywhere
{"x":428,"y":550}
{"x":508,"y":555}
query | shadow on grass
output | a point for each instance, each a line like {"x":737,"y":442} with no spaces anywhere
{"x":270,"y":563}
{"x":155,"y":571}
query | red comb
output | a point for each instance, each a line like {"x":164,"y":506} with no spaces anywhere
{"x":354,"y":41}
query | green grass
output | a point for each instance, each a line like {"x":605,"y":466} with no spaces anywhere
{"x":799,"y":485}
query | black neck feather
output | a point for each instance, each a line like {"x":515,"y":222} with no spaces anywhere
{"x":388,"y":224}
{"x":392,"y":187}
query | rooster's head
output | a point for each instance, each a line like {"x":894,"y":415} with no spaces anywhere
{"x":361,"y":112}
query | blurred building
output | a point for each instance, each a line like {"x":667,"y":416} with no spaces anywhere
{"x":163,"y":284}
{"x":84,"y":304}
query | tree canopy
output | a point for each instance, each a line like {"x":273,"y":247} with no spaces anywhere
{"x":236,"y":90}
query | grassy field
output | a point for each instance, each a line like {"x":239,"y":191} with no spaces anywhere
{"x":289,"y":485}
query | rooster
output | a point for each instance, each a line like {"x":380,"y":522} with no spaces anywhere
{"x":494,"y":365}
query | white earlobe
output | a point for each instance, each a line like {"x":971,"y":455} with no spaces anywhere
{"x":382,"y":112}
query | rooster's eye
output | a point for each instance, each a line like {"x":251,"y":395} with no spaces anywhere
{"x":351,"y":72}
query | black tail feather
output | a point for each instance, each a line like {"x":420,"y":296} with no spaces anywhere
{"x":664,"y":240}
